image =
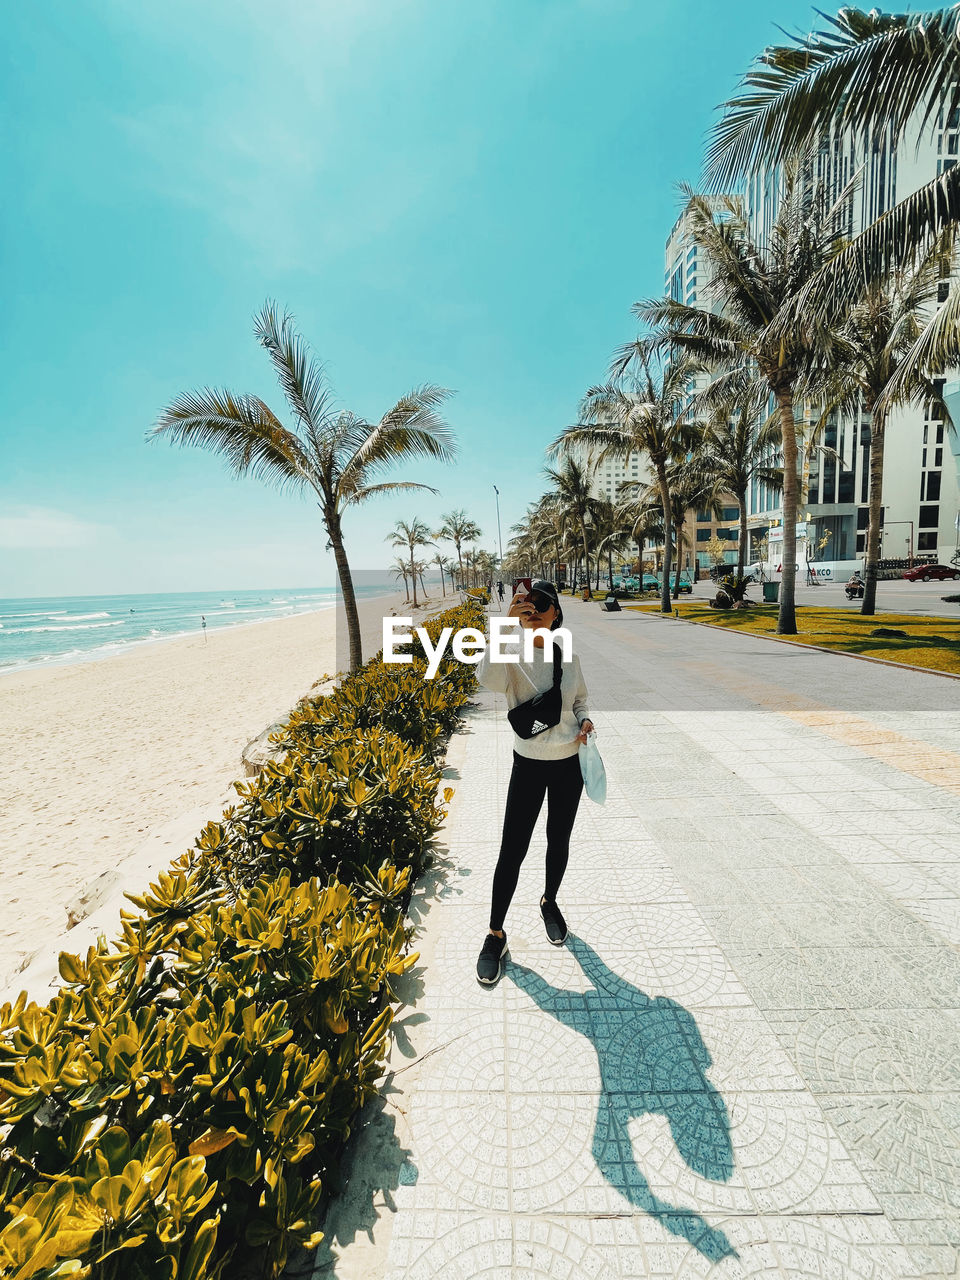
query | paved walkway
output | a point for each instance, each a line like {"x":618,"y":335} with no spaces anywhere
{"x":746,"y":1061}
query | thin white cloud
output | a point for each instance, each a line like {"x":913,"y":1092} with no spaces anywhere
{"x":25,"y":528}
{"x":270,"y":161}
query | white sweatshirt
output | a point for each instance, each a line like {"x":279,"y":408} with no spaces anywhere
{"x":521,"y":681}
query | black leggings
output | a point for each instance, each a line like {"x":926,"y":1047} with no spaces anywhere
{"x":562,"y":782}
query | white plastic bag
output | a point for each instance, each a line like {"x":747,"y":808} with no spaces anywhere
{"x":591,"y":766}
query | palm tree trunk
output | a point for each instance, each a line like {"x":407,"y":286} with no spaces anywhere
{"x":442,"y":584}
{"x":877,"y":431}
{"x":460,"y":562}
{"x":664,"y":487}
{"x":586,"y":562}
{"x":787,"y":618}
{"x":346,"y":590}
{"x":742,"y":544}
{"x":678,"y":539}
{"x":413,"y":577}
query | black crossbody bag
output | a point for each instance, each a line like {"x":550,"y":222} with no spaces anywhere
{"x":543,"y":711}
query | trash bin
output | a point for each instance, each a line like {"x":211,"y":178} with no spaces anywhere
{"x":771,"y":592}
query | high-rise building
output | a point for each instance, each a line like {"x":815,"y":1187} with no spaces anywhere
{"x":688,"y":279}
{"x":921,"y":496}
{"x":608,"y":478}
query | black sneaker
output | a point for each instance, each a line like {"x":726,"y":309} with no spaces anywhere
{"x":489,"y":961}
{"x":554,"y":923}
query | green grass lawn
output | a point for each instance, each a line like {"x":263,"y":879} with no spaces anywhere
{"x":929,"y":642}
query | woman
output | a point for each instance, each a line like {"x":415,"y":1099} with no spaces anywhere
{"x":545,"y":765}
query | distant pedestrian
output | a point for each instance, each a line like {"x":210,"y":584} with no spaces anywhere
{"x":546,"y":765}
{"x":500,"y":592}
{"x":203,"y":624}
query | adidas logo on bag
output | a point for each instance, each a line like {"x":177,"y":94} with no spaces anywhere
{"x":538,"y":727}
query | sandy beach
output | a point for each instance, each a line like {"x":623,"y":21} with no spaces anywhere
{"x":100,"y":758}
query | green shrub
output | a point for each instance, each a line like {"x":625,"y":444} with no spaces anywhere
{"x":394,"y":697}
{"x":234,"y":1039}
{"x":180,"y":1105}
{"x":341,"y":806}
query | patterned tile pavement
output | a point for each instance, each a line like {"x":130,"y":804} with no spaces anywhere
{"x":746,"y":1059}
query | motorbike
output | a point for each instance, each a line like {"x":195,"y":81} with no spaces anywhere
{"x":854,"y":590}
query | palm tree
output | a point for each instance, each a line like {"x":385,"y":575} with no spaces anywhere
{"x":443,"y":563}
{"x":887,"y":357}
{"x":641,"y":509}
{"x":458,"y":528}
{"x":572,"y":485}
{"x":692,"y":483}
{"x":421,"y":567}
{"x":735,"y":452}
{"x":332,"y":454}
{"x":639,"y":411}
{"x":401,"y":570}
{"x":612,"y":533}
{"x":541,"y":536}
{"x":754,"y":286}
{"x":411,"y":534}
{"x":550,"y":531}
{"x":865,"y":76}
{"x":485,"y":563}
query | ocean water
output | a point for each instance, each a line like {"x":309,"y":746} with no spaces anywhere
{"x":60,"y":629}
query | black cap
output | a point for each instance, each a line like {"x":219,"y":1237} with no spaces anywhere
{"x":544,"y":588}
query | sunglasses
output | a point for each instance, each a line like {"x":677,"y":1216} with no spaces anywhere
{"x":540,"y":602}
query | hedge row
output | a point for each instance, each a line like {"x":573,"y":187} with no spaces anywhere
{"x":179,"y":1107}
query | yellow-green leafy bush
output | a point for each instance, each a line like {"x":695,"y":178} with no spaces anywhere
{"x":337,"y":808}
{"x":177,"y":1110}
{"x":395,"y":697}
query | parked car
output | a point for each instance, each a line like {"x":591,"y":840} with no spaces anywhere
{"x":686,"y":586}
{"x":650,"y":582}
{"x":931,"y":573}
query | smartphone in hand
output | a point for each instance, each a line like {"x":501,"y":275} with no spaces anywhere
{"x":521,"y":586}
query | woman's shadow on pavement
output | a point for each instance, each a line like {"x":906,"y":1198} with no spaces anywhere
{"x":652,"y":1061}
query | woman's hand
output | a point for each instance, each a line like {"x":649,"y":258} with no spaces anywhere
{"x":585,"y":728}
{"x":520,"y":606}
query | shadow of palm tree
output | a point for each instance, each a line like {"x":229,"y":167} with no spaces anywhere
{"x":652,"y":1061}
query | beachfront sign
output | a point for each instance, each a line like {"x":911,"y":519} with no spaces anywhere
{"x":469,"y":644}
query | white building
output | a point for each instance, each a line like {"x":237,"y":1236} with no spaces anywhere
{"x":608,"y":478}
{"x":921,"y":495}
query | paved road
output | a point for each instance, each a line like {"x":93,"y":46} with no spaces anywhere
{"x":895,"y":596}
{"x":746,"y":1061}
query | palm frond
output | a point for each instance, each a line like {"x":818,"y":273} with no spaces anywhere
{"x":937,"y":348}
{"x":891,"y":243}
{"x":243,"y":430}
{"x":374,"y":490}
{"x":602,"y":442}
{"x":300,"y":375}
{"x":863,"y":72}
{"x":412,"y":428}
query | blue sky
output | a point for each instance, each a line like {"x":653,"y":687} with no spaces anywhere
{"x":470,"y":195}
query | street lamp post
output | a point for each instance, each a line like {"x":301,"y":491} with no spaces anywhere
{"x":499,"y":537}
